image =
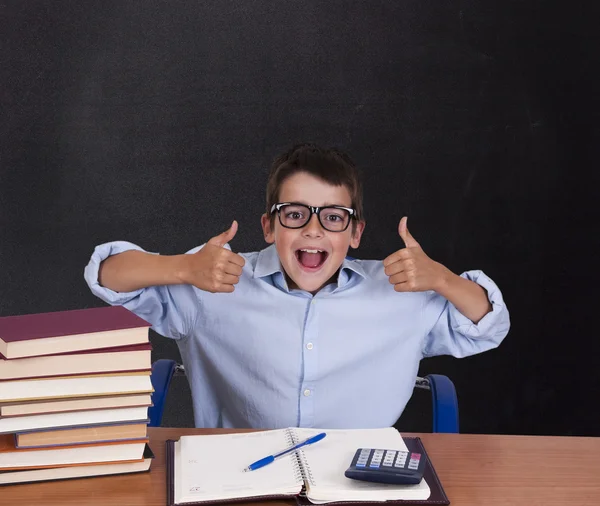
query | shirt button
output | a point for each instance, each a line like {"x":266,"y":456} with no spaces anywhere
{"x":309,"y":346}
{"x":313,"y":301}
{"x":306,"y":392}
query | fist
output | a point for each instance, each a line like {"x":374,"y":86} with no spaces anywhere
{"x":410,"y":269}
{"x":215,"y":268}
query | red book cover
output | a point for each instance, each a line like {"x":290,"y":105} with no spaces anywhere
{"x":65,"y":323}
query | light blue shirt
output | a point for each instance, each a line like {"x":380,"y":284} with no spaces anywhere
{"x":266,"y":356}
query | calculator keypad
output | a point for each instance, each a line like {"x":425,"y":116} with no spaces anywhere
{"x":375,"y":459}
{"x":386,"y":466}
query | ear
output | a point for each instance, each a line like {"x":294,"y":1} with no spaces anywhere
{"x":268,"y":232}
{"x":357,"y":234}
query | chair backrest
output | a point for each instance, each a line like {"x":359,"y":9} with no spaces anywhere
{"x":443,"y":395}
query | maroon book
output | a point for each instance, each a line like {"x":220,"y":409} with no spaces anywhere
{"x":69,"y":331}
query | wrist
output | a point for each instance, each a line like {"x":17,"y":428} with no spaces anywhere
{"x":445,"y":281}
{"x":179,"y":269}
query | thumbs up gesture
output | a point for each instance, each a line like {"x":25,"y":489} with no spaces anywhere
{"x":214,"y":268}
{"x":410,"y":269}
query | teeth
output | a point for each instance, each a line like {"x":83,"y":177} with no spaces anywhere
{"x":312,"y":250}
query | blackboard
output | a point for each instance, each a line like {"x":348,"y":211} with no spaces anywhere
{"x":155,"y":122}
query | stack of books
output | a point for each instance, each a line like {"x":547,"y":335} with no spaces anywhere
{"x":74,"y":394}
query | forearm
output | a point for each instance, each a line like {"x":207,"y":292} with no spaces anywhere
{"x":468,"y":297}
{"x":132,"y":270}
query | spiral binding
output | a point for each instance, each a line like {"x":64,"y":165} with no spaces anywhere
{"x":302,"y":468}
{"x":296,"y":463}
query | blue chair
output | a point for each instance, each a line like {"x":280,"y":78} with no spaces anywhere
{"x":443,"y":395}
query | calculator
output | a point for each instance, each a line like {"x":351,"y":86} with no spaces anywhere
{"x":387,"y":466}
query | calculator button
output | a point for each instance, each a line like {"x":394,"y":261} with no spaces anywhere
{"x":390,"y":453}
{"x":374,"y":464}
{"x":361,"y":464}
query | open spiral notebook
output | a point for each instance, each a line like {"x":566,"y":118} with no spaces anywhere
{"x":209,"y":469}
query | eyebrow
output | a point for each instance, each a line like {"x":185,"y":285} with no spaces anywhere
{"x":323,"y":205}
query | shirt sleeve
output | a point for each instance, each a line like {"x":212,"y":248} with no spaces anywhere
{"x":172,"y":309}
{"x":454,"y":334}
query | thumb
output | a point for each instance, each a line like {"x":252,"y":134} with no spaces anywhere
{"x":223,"y":238}
{"x":409,"y":240}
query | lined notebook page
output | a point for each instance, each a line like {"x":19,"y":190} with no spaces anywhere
{"x":211,"y":467}
{"x":328,"y":459}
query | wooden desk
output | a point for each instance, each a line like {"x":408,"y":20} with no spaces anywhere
{"x":474,"y":469}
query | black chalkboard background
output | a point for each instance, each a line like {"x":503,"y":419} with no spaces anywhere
{"x":156,"y":121}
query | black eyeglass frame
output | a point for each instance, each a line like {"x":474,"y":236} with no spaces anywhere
{"x":313,"y":210}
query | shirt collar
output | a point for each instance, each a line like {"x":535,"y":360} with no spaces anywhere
{"x":268,"y":263}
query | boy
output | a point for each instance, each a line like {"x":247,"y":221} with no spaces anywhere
{"x":297,"y":334}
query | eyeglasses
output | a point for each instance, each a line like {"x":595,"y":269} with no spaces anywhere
{"x":331,"y":218}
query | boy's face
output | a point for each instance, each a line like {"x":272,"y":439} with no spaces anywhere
{"x":306,"y":270}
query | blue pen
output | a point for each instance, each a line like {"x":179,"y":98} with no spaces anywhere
{"x":272,"y":458}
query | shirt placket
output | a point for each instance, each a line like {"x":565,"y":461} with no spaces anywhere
{"x":310,"y":361}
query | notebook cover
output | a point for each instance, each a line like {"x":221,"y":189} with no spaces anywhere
{"x":116,"y":349}
{"x":414,"y":444}
{"x":65,"y":323}
{"x":148,"y":454}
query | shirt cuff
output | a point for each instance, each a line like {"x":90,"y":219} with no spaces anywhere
{"x":101,"y":253}
{"x":486,"y":327}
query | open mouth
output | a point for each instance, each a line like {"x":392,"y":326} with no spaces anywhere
{"x":311,"y":259}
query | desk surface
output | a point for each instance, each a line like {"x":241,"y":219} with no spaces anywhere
{"x":508,"y":470}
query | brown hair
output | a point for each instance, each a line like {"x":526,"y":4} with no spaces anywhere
{"x":331,"y":165}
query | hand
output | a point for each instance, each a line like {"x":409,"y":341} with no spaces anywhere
{"x":410,"y":269}
{"x":215,"y":268}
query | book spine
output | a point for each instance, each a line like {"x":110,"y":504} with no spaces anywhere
{"x":303,"y":469}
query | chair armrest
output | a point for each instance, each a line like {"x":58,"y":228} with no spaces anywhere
{"x":162,"y":372}
{"x":445,"y":403}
